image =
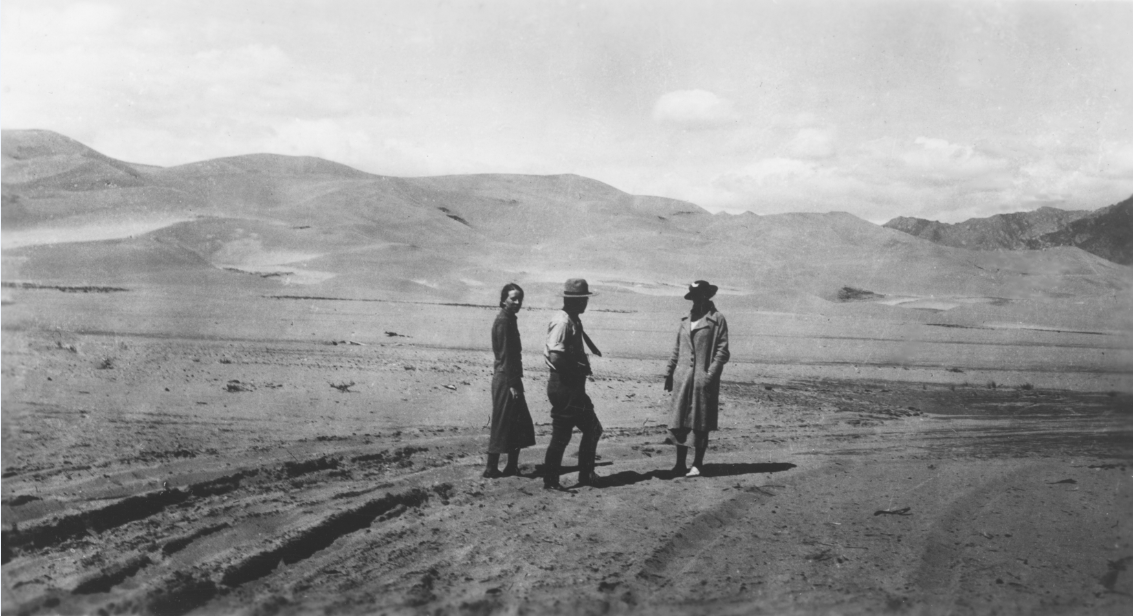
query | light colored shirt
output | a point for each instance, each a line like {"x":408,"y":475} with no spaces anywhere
{"x":564,"y":335}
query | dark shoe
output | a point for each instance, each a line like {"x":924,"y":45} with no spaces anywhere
{"x":510,"y":471}
{"x":492,"y":473}
{"x":679,"y":471}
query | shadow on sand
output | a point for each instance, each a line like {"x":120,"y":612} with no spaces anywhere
{"x":626,"y":478}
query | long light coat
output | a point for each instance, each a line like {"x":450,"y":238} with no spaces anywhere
{"x":696,"y":365}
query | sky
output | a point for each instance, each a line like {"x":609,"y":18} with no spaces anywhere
{"x":940,"y":110}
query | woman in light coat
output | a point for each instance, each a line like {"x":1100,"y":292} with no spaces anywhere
{"x":512,"y":429}
{"x":693,"y":375}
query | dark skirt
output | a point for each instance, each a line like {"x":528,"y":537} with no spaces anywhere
{"x":511,"y":420}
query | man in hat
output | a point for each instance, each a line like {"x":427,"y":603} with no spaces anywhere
{"x":694,"y":369}
{"x":566,"y":388}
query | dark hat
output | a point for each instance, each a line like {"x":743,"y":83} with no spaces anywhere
{"x":702,"y":289}
{"x":577,"y":287}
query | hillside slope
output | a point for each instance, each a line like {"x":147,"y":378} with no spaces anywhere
{"x":999,"y":232}
{"x":1107,"y":233}
{"x":44,"y":159}
{"x":269,"y":223}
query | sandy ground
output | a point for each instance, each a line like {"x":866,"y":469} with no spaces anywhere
{"x":169,"y":474}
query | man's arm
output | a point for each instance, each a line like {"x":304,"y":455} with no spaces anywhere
{"x":559,"y":363}
{"x":555,"y":349}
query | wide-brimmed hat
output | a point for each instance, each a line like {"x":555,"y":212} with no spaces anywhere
{"x":577,"y":287}
{"x":702,"y":289}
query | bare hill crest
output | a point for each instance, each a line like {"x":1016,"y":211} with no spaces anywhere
{"x":44,"y":159}
{"x":265,"y":222}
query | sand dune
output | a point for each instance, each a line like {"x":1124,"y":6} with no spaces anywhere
{"x":303,"y":218}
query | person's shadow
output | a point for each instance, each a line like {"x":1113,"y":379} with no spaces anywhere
{"x":626,"y":478}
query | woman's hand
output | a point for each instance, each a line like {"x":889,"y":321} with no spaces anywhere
{"x":712,"y":374}
{"x":668,"y":382}
{"x":516,"y":393}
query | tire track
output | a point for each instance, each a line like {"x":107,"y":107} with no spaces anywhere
{"x":174,"y":590}
{"x":670,"y":562}
{"x":223,"y":547}
{"x":120,"y":513}
{"x":59,"y":529}
{"x":303,"y":544}
{"x":972,"y":548}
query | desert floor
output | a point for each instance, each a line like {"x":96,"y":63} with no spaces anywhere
{"x":175,"y":457}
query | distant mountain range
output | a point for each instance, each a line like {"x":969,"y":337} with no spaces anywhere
{"x":1107,"y":232}
{"x":268,"y":223}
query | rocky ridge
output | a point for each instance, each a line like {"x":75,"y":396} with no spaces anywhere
{"x":1107,"y":233}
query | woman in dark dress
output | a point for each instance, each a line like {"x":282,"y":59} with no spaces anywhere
{"x":512,"y":429}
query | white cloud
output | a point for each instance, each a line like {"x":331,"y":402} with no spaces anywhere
{"x":358,"y":142}
{"x":884,"y":164}
{"x":933,"y":162}
{"x":780,"y":171}
{"x":324,"y":138}
{"x":1116,"y":160}
{"x":44,"y":27}
{"x":265,"y":61}
{"x":813,"y":143}
{"x":804,"y":119}
{"x":921,"y":176}
{"x":1044,"y":180}
{"x":928,"y":178}
{"x":776,"y":185}
{"x":694,"y":109}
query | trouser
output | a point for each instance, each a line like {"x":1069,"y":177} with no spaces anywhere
{"x":570,"y":408}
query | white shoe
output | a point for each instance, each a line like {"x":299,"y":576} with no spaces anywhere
{"x":693,"y":472}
